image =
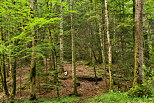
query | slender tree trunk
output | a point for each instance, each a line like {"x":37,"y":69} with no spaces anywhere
{"x":56,"y":81}
{"x":146,"y":38}
{"x":20,"y":82}
{"x":33,"y":71}
{"x":54,"y":63}
{"x":95,"y":72}
{"x":73,"y":52}
{"x":46,"y":68}
{"x":13,"y":74}
{"x":109,"y":43}
{"x":33,"y":62}
{"x":138,"y":69}
{"x":13,"y":63}
{"x":93,"y":55}
{"x":151,"y":36}
{"x":101,"y":41}
{"x":9,"y":58}
{"x":89,"y":35}
{"x":61,"y":34}
{"x":3,"y":70}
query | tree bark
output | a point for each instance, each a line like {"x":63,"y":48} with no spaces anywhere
{"x":109,"y":43}
{"x":61,"y":34}
{"x":138,"y":54}
{"x":73,"y":52}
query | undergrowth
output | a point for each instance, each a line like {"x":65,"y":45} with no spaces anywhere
{"x":111,"y":97}
{"x":140,"y":91}
{"x":43,"y":100}
{"x":119,"y":97}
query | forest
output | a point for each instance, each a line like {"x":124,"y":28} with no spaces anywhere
{"x":77,"y":51}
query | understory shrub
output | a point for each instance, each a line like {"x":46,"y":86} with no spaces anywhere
{"x":140,"y":91}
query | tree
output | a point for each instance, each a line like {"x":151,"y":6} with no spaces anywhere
{"x":108,"y":42}
{"x":61,"y":34}
{"x":13,"y":62}
{"x":3,"y":68}
{"x":138,"y":53}
{"x":33,"y":62}
{"x":13,"y":75}
{"x":73,"y":52}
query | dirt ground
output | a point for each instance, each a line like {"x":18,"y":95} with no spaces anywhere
{"x":85,"y":74}
{"x":87,"y":87}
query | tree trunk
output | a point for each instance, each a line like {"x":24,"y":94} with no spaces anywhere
{"x":73,"y":53}
{"x":109,"y":43}
{"x":33,"y":71}
{"x":61,"y":34}
{"x":101,"y":41}
{"x":146,"y":39}
{"x":13,"y":74}
{"x":138,"y":53}
{"x":3,"y":70}
{"x":33,"y":62}
{"x":3,"y":73}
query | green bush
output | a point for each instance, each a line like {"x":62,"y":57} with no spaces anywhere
{"x":140,"y":91}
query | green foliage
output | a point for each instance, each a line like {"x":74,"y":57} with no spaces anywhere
{"x":111,"y":98}
{"x":61,"y":100}
{"x":118,"y":97}
{"x":149,"y":73}
{"x":140,"y":91}
{"x":101,"y":72}
{"x":43,"y":100}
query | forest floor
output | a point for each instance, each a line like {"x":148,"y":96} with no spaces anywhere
{"x":45,"y":89}
{"x":86,"y":79}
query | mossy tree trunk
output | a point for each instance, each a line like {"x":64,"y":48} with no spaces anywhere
{"x":138,"y":53}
